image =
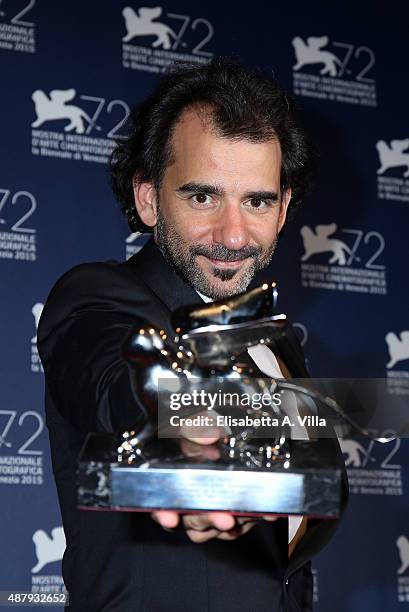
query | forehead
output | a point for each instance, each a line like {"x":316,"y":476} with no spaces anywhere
{"x":199,"y":153}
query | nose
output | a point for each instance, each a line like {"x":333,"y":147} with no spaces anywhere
{"x":230,"y":228}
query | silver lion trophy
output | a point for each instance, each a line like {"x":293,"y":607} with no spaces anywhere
{"x":201,"y":382}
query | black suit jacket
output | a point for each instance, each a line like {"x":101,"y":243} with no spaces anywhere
{"x":124,"y":562}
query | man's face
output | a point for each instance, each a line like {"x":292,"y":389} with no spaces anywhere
{"x":219,"y":209}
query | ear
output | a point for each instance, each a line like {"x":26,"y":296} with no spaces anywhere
{"x":145,"y":201}
{"x":285,"y":200}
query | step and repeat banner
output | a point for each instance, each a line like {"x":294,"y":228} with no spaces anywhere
{"x":70,"y":74}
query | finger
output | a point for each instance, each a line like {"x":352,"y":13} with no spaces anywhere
{"x":191,"y":449}
{"x":270,"y":517}
{"x":166,"y":518}
{"x":204,"y":441}
{"x":204,"y":435}
{"x":198,"y":522}
{"x":221,"y":520}
{"x":241,"y":520}
{"x":168,"y":529}
{"x":235,"y":533}
{"x":201,"y":536}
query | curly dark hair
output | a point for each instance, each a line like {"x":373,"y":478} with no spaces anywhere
{"x":244,"y":103}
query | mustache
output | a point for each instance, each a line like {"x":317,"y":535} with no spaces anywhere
{"x":219,"y":251}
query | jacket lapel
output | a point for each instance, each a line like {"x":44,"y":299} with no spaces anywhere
{"x":152,"y":268}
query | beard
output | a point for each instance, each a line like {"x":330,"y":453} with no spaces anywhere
{"x":182,"y":257}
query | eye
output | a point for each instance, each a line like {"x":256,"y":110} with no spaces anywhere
{"x":201,"y":199}
{"x":258,"y":204}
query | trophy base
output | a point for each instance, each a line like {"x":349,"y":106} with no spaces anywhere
{"x":310,"y":485}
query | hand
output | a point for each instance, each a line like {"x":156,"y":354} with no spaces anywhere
{"x":203,"y":526}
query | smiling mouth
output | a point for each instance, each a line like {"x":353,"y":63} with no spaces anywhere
{"x":220,"y":263}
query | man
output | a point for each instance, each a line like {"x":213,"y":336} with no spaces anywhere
{"x":214,"y":163}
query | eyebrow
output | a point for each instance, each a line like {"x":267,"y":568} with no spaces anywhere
{"x":218,"y":191}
